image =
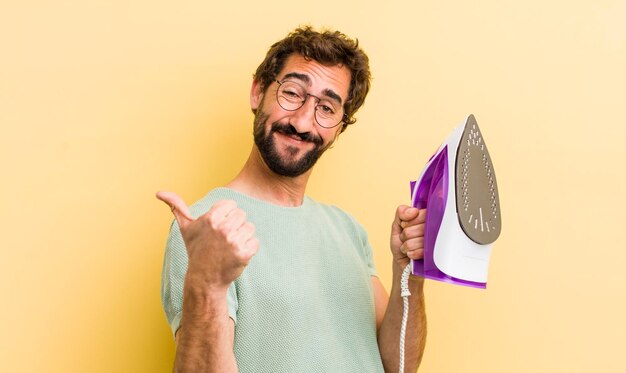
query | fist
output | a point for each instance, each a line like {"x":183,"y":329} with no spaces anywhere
{"x":407,"y":234}
{"x":219,"y":243}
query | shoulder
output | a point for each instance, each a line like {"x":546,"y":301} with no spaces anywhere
{"x":205,"y":203}
{"x":337,"y":214}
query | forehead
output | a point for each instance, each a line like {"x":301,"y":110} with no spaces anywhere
{"x":321,"y":77}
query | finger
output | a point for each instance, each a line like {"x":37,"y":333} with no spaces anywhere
{"x":412,"y":244}
{"x":412,"y":231}
{"x":406,"y":215}
{"x":247,"y":243}
{"x":409,"y":213}
{"x":219,"y":211}
{"x":418,"y":219}
{"x":177,"y":205}
{"x":252,"y":247}
{"x":416,"y":254}
{"x":233,"y":220}
{"x":396,"y":227}
{"x":245,"y":233}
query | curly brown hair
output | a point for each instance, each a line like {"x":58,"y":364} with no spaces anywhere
{"x":328,"y":48}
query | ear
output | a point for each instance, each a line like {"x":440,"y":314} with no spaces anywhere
{"x":256,"y":95}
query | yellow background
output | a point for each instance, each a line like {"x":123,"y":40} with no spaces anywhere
{"x":102,"y":103}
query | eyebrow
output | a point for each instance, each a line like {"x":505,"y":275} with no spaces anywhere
{"x":305,"y":78}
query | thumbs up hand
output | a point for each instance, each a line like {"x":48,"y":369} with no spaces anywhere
{"x":219,"y":243}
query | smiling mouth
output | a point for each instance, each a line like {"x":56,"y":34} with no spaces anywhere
{"x":291,"y":135}
{"x":294,"y":143}
{"x":289,"y":131}
{"x":294,"y":137}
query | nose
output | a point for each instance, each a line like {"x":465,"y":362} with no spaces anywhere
{"x":303,"y":119}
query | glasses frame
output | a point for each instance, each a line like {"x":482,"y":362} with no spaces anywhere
{"x":343,"y":117}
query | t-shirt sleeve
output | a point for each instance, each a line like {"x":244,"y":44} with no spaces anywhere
{"x":367,"y":250}
{"x":173,"y":278}
{"x":359,"y":236}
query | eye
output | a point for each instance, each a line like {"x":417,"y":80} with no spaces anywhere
{"x":326,"y":109}
{"x":292,"y":92}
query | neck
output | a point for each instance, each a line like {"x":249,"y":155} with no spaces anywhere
{"x":257,"y":180}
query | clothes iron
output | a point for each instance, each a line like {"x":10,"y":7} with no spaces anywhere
{"x":459,"y":191}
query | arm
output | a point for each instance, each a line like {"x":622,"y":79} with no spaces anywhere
{"x":391,"y":320}
{"x":204,"y":341}
{"x":406,"y":243}
{"x":219,"y":245}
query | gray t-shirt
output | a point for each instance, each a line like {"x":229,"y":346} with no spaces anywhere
{"x":305,"y":301}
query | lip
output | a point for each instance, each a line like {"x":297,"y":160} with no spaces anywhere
{"x":291,"y":138}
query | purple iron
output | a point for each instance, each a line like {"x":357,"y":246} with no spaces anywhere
{"x":459,"y":191}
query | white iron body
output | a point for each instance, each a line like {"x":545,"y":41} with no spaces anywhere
{"x":450,"y":255}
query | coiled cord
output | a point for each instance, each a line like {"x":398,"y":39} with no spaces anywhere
{"x":404,"y":293}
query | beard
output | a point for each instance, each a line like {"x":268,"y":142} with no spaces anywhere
{"x":289,"y":165}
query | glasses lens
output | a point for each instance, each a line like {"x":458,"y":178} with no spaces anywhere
{"x":291,"y":96}
{"x":327,"y":114}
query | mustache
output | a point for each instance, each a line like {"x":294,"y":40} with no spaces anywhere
{"x":289,"y":130}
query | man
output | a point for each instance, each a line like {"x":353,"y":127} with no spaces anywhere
{"x":262,"y":278}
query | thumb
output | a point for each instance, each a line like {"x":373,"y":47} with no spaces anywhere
{"x":397,"y":227}
{"x":408,"y":213}
{"x":178,"y":207}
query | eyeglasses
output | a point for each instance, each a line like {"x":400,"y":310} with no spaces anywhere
{"x":291,"y":96}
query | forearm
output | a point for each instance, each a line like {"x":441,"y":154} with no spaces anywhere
{"x":205,"y":338}
{"x":389,"y":334}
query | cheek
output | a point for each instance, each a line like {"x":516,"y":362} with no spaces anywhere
{"x":334,"y":133}
{"x":328,"y":135}
{"x":275,"y":113}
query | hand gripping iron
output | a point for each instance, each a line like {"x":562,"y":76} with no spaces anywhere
{"x":459,"y":191}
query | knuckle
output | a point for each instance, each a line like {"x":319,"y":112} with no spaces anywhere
{"x":252,"y":247}
{"x":250,"y":227}
{"x":230,"y":238}
{"x":219,"y":227}
{"x":211,"y":219}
